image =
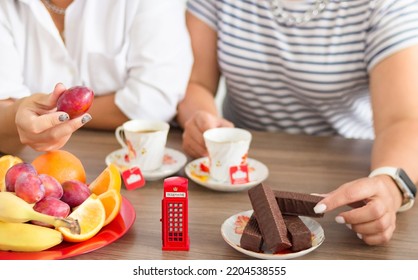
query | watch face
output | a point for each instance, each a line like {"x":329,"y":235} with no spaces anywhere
{"x":407,"y":180}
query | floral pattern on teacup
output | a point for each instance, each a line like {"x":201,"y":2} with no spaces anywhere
{"x":200,"y":171}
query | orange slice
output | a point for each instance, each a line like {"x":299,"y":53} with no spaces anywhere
{"x":91,"y":216}
{"x":107,"y":186}
{"x":108,"y":179}
{"x":112,"y":201}
{"x":6,"y":162}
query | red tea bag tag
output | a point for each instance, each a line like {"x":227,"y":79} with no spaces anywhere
{"x":133,"y":178}
{"x":239,"y":174}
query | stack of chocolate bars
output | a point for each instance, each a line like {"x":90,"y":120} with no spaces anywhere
{"x":275,"y":222}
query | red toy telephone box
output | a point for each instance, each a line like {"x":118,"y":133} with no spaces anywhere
{"x":175,"y":231}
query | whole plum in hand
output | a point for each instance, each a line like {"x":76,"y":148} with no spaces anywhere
{"x":75,"y":101}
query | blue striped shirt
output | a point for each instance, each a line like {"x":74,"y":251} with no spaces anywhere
{"x":311,"y":78}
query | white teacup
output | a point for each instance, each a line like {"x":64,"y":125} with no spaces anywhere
{"x":144,"y":141}
{"x":227,"y":148}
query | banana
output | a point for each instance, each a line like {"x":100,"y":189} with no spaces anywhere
{"x":15,"y":210}
{"x":21,"y":237}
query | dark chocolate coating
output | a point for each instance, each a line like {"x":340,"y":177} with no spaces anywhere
{"x":298,"y":204}
{"x":299,"y":233}
{"x":269,"y":218}
{"x":251,"y":238}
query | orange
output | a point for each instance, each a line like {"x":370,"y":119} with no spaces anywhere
{"x":107,"y":186}
{"x":108,"y":179}
{"x":91,"y":216}
{"x":6,"y":162}
{"x":112,"y":201}
{"x":60,"y":164}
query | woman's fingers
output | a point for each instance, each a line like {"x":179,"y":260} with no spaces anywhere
{"x":193,"y":147}
{"x":379,"y":238}
{"x":374,"y":232}
{"x":39,"y":124}
{"x":374,"y":219}
{"x":347,"y":194}
{"x":193,"y":141}
{"x":51,"y":134}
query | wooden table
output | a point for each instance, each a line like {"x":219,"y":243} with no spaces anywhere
{"x":296,"y":163}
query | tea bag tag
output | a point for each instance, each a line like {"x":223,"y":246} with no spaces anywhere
{"x":239,"y":174}
{"x":133,"y":178}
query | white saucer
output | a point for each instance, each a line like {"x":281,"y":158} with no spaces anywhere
{"x":173,"y":162}
{"x":258,"y":172}
{"x":231,"y":231}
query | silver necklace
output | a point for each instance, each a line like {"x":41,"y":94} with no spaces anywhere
{"x":284,"y":17}
{"x":53,"y":8}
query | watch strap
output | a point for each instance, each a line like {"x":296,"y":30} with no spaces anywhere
{"x":408,"y":192}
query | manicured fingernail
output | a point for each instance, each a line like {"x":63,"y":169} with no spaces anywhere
{"x":63,"y":117}
{"x":349,"y":226}
{"x":85,"y":119}
{"x":359,"y":236}
{"x":320,"y":208}
{"x":340,"y":220}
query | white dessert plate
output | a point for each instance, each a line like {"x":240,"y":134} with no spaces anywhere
{"x":232,"y":228}
{"x":173,"y":161}
{"x":198,"y":171}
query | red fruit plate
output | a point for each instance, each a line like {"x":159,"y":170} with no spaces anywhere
{"x":110,"y":233}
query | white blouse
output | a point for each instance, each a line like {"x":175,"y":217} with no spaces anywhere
{"x":138,"y":49}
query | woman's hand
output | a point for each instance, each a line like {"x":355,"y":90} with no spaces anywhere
{"x":40,"y":126}
{"x":374,"y":221}
{"x":193,"y":142}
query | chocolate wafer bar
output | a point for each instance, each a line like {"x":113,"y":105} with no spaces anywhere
{"x":251,"y":238}
{"x":269,"y":218}
{"x":299,"y":234}
{"x":298,"y":204}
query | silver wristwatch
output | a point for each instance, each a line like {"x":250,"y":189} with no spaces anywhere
{"x":404,"y":183}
